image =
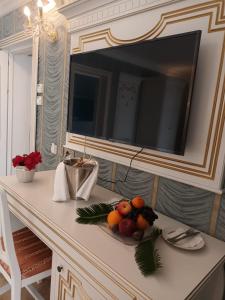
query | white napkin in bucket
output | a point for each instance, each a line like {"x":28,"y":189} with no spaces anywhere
{"x":61,"y":189}
{"x":84,"y":191}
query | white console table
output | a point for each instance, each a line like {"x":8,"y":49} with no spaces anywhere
{"x":90,"y":264}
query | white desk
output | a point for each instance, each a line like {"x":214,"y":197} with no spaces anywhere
{"x":96,"y":266}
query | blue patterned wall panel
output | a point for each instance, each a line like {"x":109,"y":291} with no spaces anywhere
{"x":185,"y":203}
{"x":105,"y":173}
{"x":1,"y":28}
{"x":19,"y":20}
{"x":8,"y":25}
{"x":137,"y":183}
{"x":220,"y":228}
{"x":105,"y":170}
{"x":53,"y":72}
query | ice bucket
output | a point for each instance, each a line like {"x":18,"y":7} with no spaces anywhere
{"x":77,"y":172}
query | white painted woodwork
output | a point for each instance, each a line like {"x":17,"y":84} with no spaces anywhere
{"x":27,"y":46}
{"x":120,"y":22}
{"x":19,"y":117}
{"x":18,"y":64}
{"x":73,"y":283}
{"x":103,"y":264}
{"x":16,"y":224}
{"x":8,"y":256}
{"x":3,"y":110}
{"x":84,"y":14}
{"x":17,"y":99}
{"x":35,"y":47}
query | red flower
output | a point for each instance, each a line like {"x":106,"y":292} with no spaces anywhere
{"x":18,"y":161}
{"x":36,"y":156}
{"x":29,"y":161}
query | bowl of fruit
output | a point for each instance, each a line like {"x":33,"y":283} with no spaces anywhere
{"x":130,"y":221}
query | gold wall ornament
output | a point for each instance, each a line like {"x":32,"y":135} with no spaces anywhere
{"x":40,"y":24}
{"x":213,"y":10}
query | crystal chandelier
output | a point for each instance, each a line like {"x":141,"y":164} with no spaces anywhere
{"x":39,"y":23}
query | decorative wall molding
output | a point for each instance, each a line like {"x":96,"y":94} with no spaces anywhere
{"x":72,"y":9}
{"x":101,"y":14}
{"x":213,"y":11}
{"x":15,"y":39}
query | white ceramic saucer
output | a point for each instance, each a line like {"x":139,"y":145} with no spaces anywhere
{"x":189,"y":243}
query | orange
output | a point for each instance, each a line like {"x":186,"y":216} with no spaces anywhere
{"x":138,"y":202}
{"x":114,"y":218}
{"x":142,"y":223}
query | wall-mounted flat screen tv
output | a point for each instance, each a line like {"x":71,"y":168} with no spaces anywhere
{"x":138,"y":94}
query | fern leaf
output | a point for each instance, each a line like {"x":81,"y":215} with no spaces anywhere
{"x":146,"y":256}
{"x":156,"y":232}
{"x":93,"y":214}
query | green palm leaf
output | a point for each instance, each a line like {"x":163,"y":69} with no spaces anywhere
{"x":146,"y":256}
{"x":94,"y":214}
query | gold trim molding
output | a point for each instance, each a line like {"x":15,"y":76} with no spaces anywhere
{"x":214,"y":11}
{"x":214,"y":214}
{"x":71,"y":286}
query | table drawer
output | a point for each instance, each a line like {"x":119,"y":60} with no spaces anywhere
{"x":70,"y":283}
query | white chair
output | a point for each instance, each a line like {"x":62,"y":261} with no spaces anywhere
{"x":24,"y":259}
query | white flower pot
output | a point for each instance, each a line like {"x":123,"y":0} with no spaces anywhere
{"x":24,"y":175}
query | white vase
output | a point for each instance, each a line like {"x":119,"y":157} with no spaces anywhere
{"x":24,"y":175}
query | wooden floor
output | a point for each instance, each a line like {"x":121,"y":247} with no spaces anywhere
{"x":43,"y":288}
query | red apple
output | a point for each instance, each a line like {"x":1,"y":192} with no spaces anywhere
{"x":127,"y":227}
{"x":124,"y":207}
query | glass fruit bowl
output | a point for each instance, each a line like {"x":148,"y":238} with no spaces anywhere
{"x":125,"y":239}
{"x":130,"y":221}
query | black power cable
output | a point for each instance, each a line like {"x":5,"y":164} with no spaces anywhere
{"x":128,"y":170}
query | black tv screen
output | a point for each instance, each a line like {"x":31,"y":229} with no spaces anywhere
{"x":138,"y":94}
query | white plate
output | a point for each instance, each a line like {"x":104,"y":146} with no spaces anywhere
{"x":190,"y":243}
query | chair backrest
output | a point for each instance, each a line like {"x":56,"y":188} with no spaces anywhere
{"x":7,"y":249}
